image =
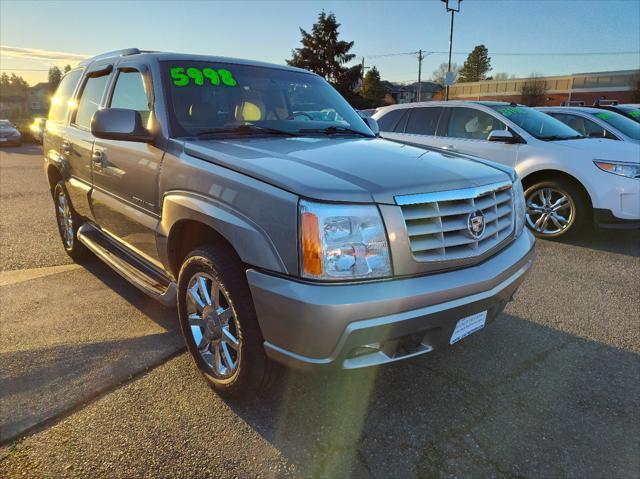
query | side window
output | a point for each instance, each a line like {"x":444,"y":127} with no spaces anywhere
{"x":423,"y":121}
{"x":60,"y":101}
{"x":581,"y":125}
{"x":472,"y":124}
{"x":89,"y":101}
{"x":388,"y":121}
{"x":130,"y":93}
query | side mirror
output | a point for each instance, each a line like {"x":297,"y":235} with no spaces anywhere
{"x":372,"y":124}
{"x":119,"y":124}
{"x":502,"y":136}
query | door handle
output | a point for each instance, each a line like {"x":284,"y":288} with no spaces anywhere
{"x":97,"y":157}
{"x":67,"y":148}
{"x":449,"y":147}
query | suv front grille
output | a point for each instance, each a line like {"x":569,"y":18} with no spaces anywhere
{"x":438,"y":224}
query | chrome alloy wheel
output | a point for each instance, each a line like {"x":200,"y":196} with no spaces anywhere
{"x":214,"y":325}
{"x":65,"y":218}
{"x":549,"y":211}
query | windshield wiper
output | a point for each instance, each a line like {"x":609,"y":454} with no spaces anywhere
{"x":334,"y":130}
{"x":558,"y":137}
{"x":245,"y":129}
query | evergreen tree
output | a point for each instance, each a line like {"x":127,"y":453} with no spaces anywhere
{"x":477,"y":66}
{"x":67,"y":68}
{"x":55,"y":75}
{"x":324,"y":54}
{"x":372,"y":87}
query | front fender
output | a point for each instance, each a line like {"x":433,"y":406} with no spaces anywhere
{"x":249,"y":240}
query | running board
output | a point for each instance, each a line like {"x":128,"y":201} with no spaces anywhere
{"x":130,"y":266}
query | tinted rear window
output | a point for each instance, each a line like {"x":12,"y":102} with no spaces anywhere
{"x":387,"y":121}
{"x":423,"y":121}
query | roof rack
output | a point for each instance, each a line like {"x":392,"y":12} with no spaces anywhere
{"x":604,"y":102}
{"x":115,"y":53}
{"x":572,"y":103}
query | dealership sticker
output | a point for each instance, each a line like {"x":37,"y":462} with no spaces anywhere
{"x":202,"y":76}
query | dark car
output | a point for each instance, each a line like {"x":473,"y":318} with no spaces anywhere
{"x":9,"y":135}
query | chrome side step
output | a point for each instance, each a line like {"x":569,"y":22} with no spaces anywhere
{"x":130,"y":266}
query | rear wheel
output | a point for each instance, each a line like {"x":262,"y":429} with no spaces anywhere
{"x":219,"y":323}
{"x":555,"y":208}
{"x":68,"y":223}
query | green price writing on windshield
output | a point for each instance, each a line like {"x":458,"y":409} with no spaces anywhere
{"x":603,"y":116}
{"x":512,"y":110}
{"x":200,"y":77}
{"x":635,"y":113}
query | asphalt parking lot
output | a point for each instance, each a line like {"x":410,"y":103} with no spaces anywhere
{"x":94,"y":380}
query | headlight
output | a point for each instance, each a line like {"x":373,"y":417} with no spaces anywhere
{"x":519,"y":206}
{"x":340,"y":241}
{"x":15,"y":133}
{"x":630,"y":170}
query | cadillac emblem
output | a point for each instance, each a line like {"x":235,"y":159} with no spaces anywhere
{"x":475,"y":224}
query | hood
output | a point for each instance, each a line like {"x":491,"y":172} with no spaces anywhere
{"x":603,"y":149}
{"x":345,"y":169}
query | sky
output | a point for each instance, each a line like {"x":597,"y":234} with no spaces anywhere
{"x":37,"y":35}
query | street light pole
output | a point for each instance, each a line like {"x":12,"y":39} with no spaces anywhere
{"x":453,"y":12}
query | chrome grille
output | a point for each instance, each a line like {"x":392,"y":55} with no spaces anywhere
{"x":438,"y":223}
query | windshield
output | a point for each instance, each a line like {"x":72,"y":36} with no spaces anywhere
{"x":5,"y":124}
{"x":623,"y":124}
{"x":211,"y":97}
{"x":536,"y":123}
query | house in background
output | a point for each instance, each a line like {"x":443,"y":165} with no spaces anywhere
{"x":401,"y":93}
{"x":21,"y":103}
{"x":38,"y":98}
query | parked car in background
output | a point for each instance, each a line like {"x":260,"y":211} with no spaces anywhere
{"x":568,"y":178}
{"x":9,"y":134}
{"x":286,"y":231}
{"x":596,"y":123}
{"x":630,"y":110}
{"x":37,"y":129}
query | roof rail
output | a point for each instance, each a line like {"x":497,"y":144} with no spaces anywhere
{"x":572,"y":103}
{"x":604,"y":102}
{"x":115,"y":53}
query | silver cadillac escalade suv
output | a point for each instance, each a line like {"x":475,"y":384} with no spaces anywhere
{"x":257,"y":200}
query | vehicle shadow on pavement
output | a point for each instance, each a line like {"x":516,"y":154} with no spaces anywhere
{"x":25,"y":149}
{"x":40,"y":385}
{"x":619,"y":241}
{"x":165,"y":317}
{"x":517,"y":400}
{"x":84,"y":346}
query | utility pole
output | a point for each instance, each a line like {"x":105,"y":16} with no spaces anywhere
{"x":419,"y":92}
{"x":362,"y":71}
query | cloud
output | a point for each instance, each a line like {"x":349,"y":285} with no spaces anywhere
{"x":37,"y":54}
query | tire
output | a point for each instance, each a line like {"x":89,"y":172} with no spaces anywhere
{"x":68,"y":223}
{"x":562,"y":203}
{"x":237,"y":369}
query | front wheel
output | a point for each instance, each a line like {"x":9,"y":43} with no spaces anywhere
{"x":219,"y":323}
{"x":555,"y":208}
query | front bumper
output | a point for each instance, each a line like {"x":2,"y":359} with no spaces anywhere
{"x":313,"y":325}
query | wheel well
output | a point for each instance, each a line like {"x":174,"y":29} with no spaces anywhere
{"x":53,"y":176}
{"x":187,"y":235}
{"x":542,"y":175}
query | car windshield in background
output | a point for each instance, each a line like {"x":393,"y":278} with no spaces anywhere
{"x":536,"y":123}
{"x":623,"y":124}
{"x":209,"y":98}
{"x":5,"y":124}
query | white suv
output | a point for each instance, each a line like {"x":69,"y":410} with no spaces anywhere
{"x":568,"y":178}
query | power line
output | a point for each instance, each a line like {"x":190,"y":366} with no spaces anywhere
{"x":522,"y":54}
